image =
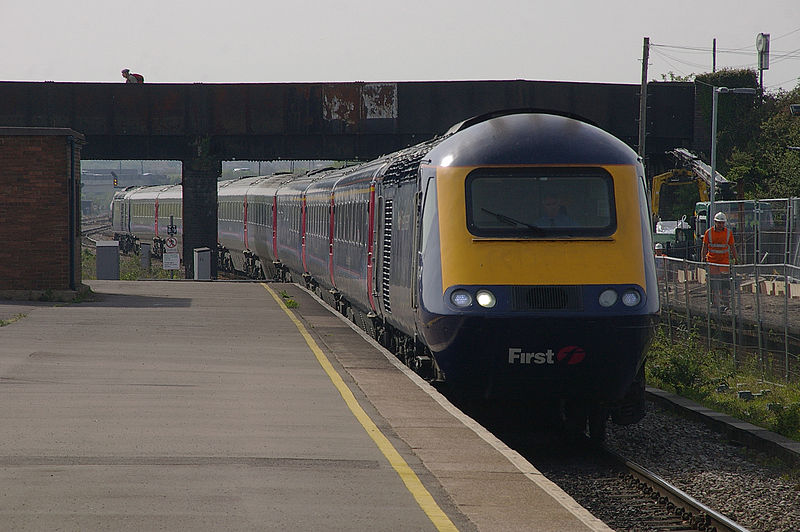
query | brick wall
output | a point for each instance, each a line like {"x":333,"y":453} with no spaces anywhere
{"x":39,"y":209}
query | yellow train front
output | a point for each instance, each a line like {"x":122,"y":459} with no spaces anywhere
{"x":535,"y":270}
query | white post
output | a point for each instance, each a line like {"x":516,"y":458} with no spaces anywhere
{"x":714,"y":99}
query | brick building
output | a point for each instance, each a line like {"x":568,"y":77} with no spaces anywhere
{"x":40,"y":240}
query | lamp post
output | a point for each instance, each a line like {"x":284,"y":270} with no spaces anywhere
{"x":715,"y":97}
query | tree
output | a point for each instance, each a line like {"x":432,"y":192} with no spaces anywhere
{"x":738,"y":115}
{"x":672,"y":76}
{"x":764,"y":166}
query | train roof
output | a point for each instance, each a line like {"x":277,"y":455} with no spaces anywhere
{"x":460,"y":126}
{"x":530,"y":138}
{"x":151,"y":191}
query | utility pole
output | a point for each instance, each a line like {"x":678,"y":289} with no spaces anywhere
{"x":643,"y":97}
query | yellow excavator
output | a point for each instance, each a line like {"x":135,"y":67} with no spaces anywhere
{"x":673,"y":198}
{"x":674,"y":193}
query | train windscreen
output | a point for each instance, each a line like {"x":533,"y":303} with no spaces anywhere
{"x":535,"y":203}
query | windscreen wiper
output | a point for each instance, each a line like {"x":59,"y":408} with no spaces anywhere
{"x":508,"y":220}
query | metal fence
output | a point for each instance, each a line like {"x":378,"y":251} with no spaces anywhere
{"x":766,"y":231}
{"x":754,"y":310}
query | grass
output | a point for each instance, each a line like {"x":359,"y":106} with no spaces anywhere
{"x":686,"y":368}
{"x":130,"y":268}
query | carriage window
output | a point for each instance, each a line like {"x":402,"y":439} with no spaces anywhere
{"x":540,"y":203}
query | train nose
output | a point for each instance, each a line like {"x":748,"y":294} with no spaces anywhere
{"x":547,"y":357}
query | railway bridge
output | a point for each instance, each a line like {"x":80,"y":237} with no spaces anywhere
{"x":205,"y":124}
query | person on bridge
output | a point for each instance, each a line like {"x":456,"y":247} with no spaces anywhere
{"x":132,"y":77}
{"x":719,"y":250}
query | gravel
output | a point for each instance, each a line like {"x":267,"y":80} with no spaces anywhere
{"x":755,"y":490}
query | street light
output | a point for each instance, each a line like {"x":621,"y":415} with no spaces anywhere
{"x":717,"y":92}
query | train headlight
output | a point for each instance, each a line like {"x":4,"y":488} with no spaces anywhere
{"x":461,"y":298}
{"x":608,"y":298}
{"x":631,"y":298}
{"x":485,"y":299}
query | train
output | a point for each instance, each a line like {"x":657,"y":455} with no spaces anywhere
{"x":510,"y":256}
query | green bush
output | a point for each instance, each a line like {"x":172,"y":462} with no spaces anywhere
{"x":787,"y":421}
{"x":685,"y":367}
{"x":677,"y":366}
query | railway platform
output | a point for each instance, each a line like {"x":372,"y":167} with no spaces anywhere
{"x":214,"y":406}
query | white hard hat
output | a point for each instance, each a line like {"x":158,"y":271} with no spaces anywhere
{"x":720,"y":217}
{"x":659,"y":246}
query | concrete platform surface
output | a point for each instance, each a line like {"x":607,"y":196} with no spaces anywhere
{"x":207,"y":406}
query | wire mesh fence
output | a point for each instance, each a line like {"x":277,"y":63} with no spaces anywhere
{"x":766,"y":231}
{"x":753,"y":310}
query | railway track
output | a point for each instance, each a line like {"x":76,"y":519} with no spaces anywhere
{"x":624,"y":494}
{"x":93,"y":226}
{"x":682,"y":511}
{"x":700,"y":480}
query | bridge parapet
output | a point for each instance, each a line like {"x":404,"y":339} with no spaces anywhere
{"x":359,"y":120}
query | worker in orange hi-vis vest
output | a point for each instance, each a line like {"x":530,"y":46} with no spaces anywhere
{"x":719,"y":250}
{"x":660,"y":262}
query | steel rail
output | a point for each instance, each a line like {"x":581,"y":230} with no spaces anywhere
{"x":95,"y":229}
{"x":86,"y":234}
{"x":699,"y":515}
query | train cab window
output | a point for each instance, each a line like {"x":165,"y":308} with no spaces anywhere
{"x":541,"y":202}
{"x":428,"y":213}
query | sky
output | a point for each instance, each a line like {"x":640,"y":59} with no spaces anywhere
{"x":258,"y":41}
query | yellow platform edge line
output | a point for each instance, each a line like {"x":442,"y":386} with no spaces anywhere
{"x":407,"y":475}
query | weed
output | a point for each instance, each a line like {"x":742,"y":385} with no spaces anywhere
{"x":9,"y":321}
{"x":688,"y":369}
{"x":677,"y":366}
{"x":88,"y":263}
{"x":130,"y":268}
{"x":47,"y":295}
{"x":288,"y":301}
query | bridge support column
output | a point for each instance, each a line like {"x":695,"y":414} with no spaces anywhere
{"x":200,"y":176}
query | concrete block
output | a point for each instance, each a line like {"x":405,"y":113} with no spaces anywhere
{"x":748,"y":287}
{"x":780,"y":288}
{"x":794,"y":290}
{"x":766,"y":287}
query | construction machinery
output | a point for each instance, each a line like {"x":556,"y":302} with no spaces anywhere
{"x":675,"y":192}
{"x":674,"y":195}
